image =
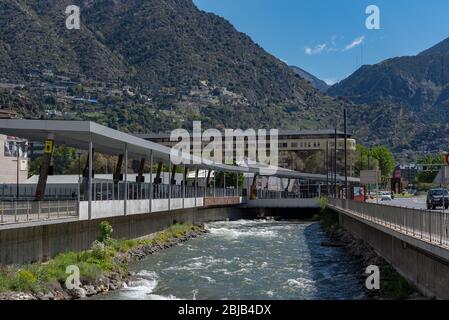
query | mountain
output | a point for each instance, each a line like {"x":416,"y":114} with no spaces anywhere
{"x":314,"y":81}
{"x":412,"y":90}
{"x":148,"y":66}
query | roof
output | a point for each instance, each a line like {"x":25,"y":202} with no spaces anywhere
{"x":281,"y":132}
{"x":78,"y":134}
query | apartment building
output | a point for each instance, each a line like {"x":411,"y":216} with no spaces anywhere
{"x":13,"y":159}
{"x":303,"y":150}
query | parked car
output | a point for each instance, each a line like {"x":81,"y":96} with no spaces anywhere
{"x":385,"y":196}
{"x":437,"y":198}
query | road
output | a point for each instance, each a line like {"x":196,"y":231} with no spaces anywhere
{"x":416,"y":203}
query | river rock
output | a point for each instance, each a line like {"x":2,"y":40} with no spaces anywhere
{"x":90,"y":290}
{"x":79,"y":293}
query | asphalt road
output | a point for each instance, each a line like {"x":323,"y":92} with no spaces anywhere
{"x":416,"y":203}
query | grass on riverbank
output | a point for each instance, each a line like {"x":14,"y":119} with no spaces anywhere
{"x":100,"y":259}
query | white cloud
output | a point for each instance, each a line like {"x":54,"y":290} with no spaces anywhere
{"x":355,"y":43}
{"x":315,"y":50}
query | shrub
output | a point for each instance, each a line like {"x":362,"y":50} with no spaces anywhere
{"x":24,"y":280}
{"x":105,"y":231}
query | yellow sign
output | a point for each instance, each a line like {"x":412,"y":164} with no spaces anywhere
{"x":48,"y":146}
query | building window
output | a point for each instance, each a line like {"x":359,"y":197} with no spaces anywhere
{"x":294,"y":145}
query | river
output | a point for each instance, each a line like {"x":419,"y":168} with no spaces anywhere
{"x":248,"y":260}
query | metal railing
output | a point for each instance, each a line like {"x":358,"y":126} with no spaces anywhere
{"x":223,"y":193}
{"x":68,"y":191}
{"x":269,"y":194}
{"x":31,"y":211}
{"x":105,"y":191}
{"x":429,"y":226}
{"x":66,"y":204}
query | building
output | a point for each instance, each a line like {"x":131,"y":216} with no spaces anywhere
{"x":13,"y":159}
{"x":303,"y":150}
{"x":8,"y":114}
{"x":409,"y":172}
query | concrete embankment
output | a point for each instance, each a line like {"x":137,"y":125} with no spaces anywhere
{"x":40,"y":242}
{"x":429,"y":273}
{"x":109,"y":258}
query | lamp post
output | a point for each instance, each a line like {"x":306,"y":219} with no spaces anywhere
{"x":346,"y":155}
{"x":18,"y":168}
{"x":327,"y":168}
{"x":335,"y":163}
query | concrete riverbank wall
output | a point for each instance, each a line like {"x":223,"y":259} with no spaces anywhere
{"x":39,"y":242}
{"x":427,"y":270}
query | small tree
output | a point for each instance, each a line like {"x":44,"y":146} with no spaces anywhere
{"x":105,"y":232}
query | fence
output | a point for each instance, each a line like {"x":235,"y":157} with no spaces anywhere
{"x":67,"y":191}
{"x":65,"y":202}
{"x":269,"y":194}
{"x":30,"y":211}
{"x":426,"y":225}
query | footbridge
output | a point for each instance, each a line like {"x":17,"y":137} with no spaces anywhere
{"x":144,"y":193}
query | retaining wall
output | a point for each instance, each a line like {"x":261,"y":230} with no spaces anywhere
{"x":427,"y":271}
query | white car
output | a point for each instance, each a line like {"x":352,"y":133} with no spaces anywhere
{"x":385,"y":196}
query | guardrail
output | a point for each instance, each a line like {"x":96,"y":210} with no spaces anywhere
{"x":13,"y":210}
{"x":429,"y":226}
{"x":32,"y":211}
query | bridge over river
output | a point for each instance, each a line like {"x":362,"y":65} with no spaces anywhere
{"x":40,"y":220}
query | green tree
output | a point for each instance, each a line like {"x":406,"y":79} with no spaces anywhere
{"x":63,"y":157}
{"x":385,"y":159}
{"x":429,"y":175}
{"x":231,"y":178}
{"x":364,"y":161}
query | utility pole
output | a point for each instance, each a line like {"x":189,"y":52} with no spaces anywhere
{"x":346,"y":156}
{"x":327,"y":168}
{"x":335,"y":162}
{"x":369,"y":167}
{"x":18,"y":169}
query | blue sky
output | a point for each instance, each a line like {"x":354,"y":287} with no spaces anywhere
{"x":328,"y":37}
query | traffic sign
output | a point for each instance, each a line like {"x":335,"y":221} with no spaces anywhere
{"x":48,"y":147}
{"x":369,"y":176}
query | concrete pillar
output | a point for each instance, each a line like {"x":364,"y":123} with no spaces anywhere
{"x":253,"y":191}
{"x":158,"y":173}
{"x":237,"y":184}
{"x":173,"y":174}
{"x":224,"y":183}
{"x":118,"y":169}
{"x":140,"y":173}
{"x":44,"y":169}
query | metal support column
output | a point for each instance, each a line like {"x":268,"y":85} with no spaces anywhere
{"x":126,"y":181}
{"x":151,"y":181}
{"x":335,"y":163}
{"x":169,"y":186}
{"x":346,"y":156}
{"x":89,"y":179}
